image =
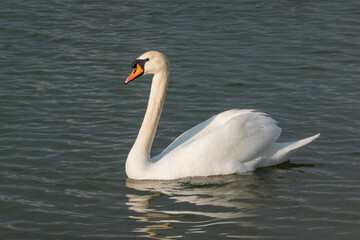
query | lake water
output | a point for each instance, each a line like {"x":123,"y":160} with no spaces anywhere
{"x":67,"y":121}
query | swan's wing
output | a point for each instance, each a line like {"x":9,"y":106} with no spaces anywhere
{"x":203,"y":128}
{"x":224,"y":149}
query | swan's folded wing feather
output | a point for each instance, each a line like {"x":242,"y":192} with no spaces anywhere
{"x":224,"y":149}
{"x":202,"y":128}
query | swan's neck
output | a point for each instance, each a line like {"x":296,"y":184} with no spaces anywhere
{"x":139,"y":155}
{"x":149,"y":125}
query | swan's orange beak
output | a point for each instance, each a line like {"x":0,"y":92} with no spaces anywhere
{"x":137,"y":72}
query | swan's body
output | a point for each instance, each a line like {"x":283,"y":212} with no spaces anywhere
{"x":230,"y":142}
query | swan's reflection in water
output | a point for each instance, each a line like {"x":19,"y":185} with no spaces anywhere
{"x":199,"y":202}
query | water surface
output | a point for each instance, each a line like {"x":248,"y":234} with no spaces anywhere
{"x":67,"y":121}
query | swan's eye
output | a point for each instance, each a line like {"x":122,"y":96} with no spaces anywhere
{"x":147,"y":59}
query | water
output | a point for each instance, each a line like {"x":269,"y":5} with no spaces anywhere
{"x":67,"y":121}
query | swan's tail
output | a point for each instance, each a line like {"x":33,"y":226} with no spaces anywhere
{"x":283,"y":151}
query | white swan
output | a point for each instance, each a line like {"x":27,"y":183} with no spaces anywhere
{"x":230,"y":142}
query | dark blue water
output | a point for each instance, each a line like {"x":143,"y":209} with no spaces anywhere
{"x":67,"y":121}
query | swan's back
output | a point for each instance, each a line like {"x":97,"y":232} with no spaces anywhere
{"x":223,"y":144}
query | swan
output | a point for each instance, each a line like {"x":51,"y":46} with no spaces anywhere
{"x":230,"y":142}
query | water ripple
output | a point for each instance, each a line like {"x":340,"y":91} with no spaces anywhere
{"x":67,"y":121}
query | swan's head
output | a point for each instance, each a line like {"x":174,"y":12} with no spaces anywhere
{"x":151,"y":62}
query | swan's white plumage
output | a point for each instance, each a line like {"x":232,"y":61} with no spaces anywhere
{"x":224,"y":144}
{"x":230,"y":142}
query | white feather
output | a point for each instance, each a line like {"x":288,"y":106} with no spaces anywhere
{"x":233,"y":141}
